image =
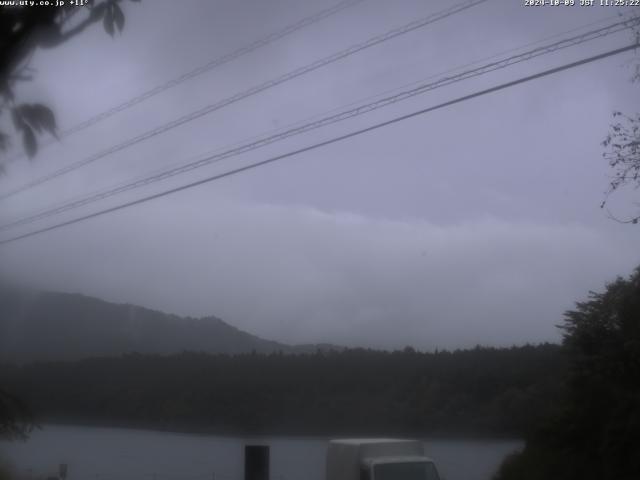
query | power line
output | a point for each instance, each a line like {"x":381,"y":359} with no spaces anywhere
{"x":215,"y":63}
{"x":468,"y":65}
{"x":326,"y":142}
{"x":366,"y":108}
{"x":243,"y":148}
{"x":250,"y":92}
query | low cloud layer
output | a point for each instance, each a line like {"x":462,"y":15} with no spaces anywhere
{"x":298,"y":274}
{"x":475,"y":224}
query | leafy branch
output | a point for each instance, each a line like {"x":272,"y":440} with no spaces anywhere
{"x":623,"y":156}
{"x":22,"y":31}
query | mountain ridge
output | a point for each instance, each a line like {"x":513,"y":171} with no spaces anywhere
{"x":50,"y":326}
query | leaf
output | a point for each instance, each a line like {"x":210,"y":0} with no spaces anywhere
{"x":40,"y":117}
{"x":29,"y":141}
{"x":118,"y":17}
{"x":48,"y":119}
{"x":97,"y":12}
{"x":7,"y":93}
{"x":26,"y":114}
{"x":16,"y":117}
{"x":107,"y":22}
{"x":4,"y":141}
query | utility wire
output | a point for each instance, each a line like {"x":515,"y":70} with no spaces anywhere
{"x":326,"y":142}
{"x":215,"y":63}
{"x":250,"y":92}
{"x":360,"y":110}
{"x":461,"y":67}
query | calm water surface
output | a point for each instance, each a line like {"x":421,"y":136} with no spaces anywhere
{"x":122,"y":454}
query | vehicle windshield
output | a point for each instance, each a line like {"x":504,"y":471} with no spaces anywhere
{"x":405,"y":471}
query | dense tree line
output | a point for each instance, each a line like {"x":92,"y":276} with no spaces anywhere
{"x":596,"y":432}
{"x":480,"y":391}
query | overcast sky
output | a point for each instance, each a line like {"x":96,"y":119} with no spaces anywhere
{"x":475,"y":224}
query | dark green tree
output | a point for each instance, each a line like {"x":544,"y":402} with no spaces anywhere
{"x":16,"y":420}
{"x":596,"y":433}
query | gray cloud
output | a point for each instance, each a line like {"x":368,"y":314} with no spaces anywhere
{"x":299,"y":274}
{"x":478,"y":224}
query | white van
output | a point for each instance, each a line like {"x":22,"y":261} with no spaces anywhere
{"x":379,"y":459}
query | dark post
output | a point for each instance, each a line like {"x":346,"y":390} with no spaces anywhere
{"x":256,"y":462}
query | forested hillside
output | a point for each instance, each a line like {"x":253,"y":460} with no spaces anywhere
{"x":483,"y":391}
{"x":47,"y":326}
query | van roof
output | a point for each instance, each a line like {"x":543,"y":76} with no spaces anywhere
{"x":369,"y":441}
{"x":396,"y":459}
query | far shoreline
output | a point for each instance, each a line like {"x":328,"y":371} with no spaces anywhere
{"x":297,"y":434}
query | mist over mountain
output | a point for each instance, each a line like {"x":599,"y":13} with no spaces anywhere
{"x":44,"y":326}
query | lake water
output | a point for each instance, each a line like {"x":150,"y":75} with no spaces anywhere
{"x":122,"y":454}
